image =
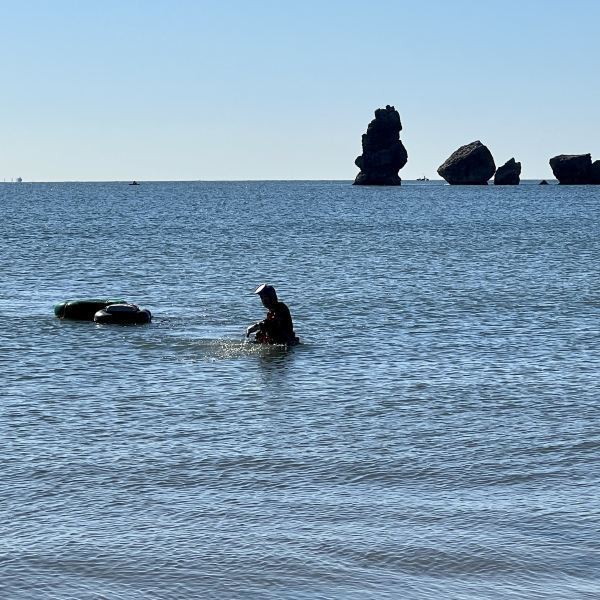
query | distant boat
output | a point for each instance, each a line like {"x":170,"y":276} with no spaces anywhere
{"x":134,"y":183}
{"x":422,"y":178}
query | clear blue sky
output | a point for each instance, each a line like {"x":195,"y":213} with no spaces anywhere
{"x":266,"y":89}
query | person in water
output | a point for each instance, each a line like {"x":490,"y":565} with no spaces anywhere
{"x":277,"y":328}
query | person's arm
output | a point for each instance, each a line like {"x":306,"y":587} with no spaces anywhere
{"x":254,"y":328}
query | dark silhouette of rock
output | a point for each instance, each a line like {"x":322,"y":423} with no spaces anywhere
{"x":472,"y":164}
{"x":596,"y":172}
{"x":383,"y":152}
{"x":543,"y":182}
{"x":572,"y":169}
{"x":508,"y":174}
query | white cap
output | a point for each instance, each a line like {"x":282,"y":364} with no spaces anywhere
{"x":261,"y":288}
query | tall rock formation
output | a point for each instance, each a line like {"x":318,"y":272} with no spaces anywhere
{"x":472,"y":164}
{"x":572,"y":169}
{"x":508,"y":174}
{"x":383,"y":152}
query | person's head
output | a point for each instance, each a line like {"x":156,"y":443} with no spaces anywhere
{"x":267,"y":295}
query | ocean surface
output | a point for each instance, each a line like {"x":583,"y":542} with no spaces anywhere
{"x":435,"y":436}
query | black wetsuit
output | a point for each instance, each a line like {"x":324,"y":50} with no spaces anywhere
{"x":277,"y":328}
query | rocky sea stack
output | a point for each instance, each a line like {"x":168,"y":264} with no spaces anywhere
{"x":472,"y":164}
{"x":575,"y":169}
{"x":508,"y":174}
{"x":383,"y":152}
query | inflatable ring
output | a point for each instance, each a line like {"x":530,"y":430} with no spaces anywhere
{"x":123,"y":314}
{"x":83,"y":310}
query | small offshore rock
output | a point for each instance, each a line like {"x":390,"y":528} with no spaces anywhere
{"x":383,"y":152}
{"x":543,"y":182}
{"x":596,"y":172}
{"x":472,"y":164}
{"x":572,"y":169}
{"x":508,"y":174}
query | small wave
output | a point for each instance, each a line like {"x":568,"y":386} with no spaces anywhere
{"x":223,"y":349}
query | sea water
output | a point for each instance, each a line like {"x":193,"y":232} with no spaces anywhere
{"x":436,"y":434}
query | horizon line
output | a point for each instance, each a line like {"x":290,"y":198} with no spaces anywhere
{"x":129,"y":181}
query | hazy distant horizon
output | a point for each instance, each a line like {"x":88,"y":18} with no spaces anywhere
{"x":348,"y":181}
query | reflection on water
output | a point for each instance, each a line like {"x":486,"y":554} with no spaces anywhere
{"x":274,"y":362}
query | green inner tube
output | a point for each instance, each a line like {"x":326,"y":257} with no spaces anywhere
{"x":83,"y":310}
